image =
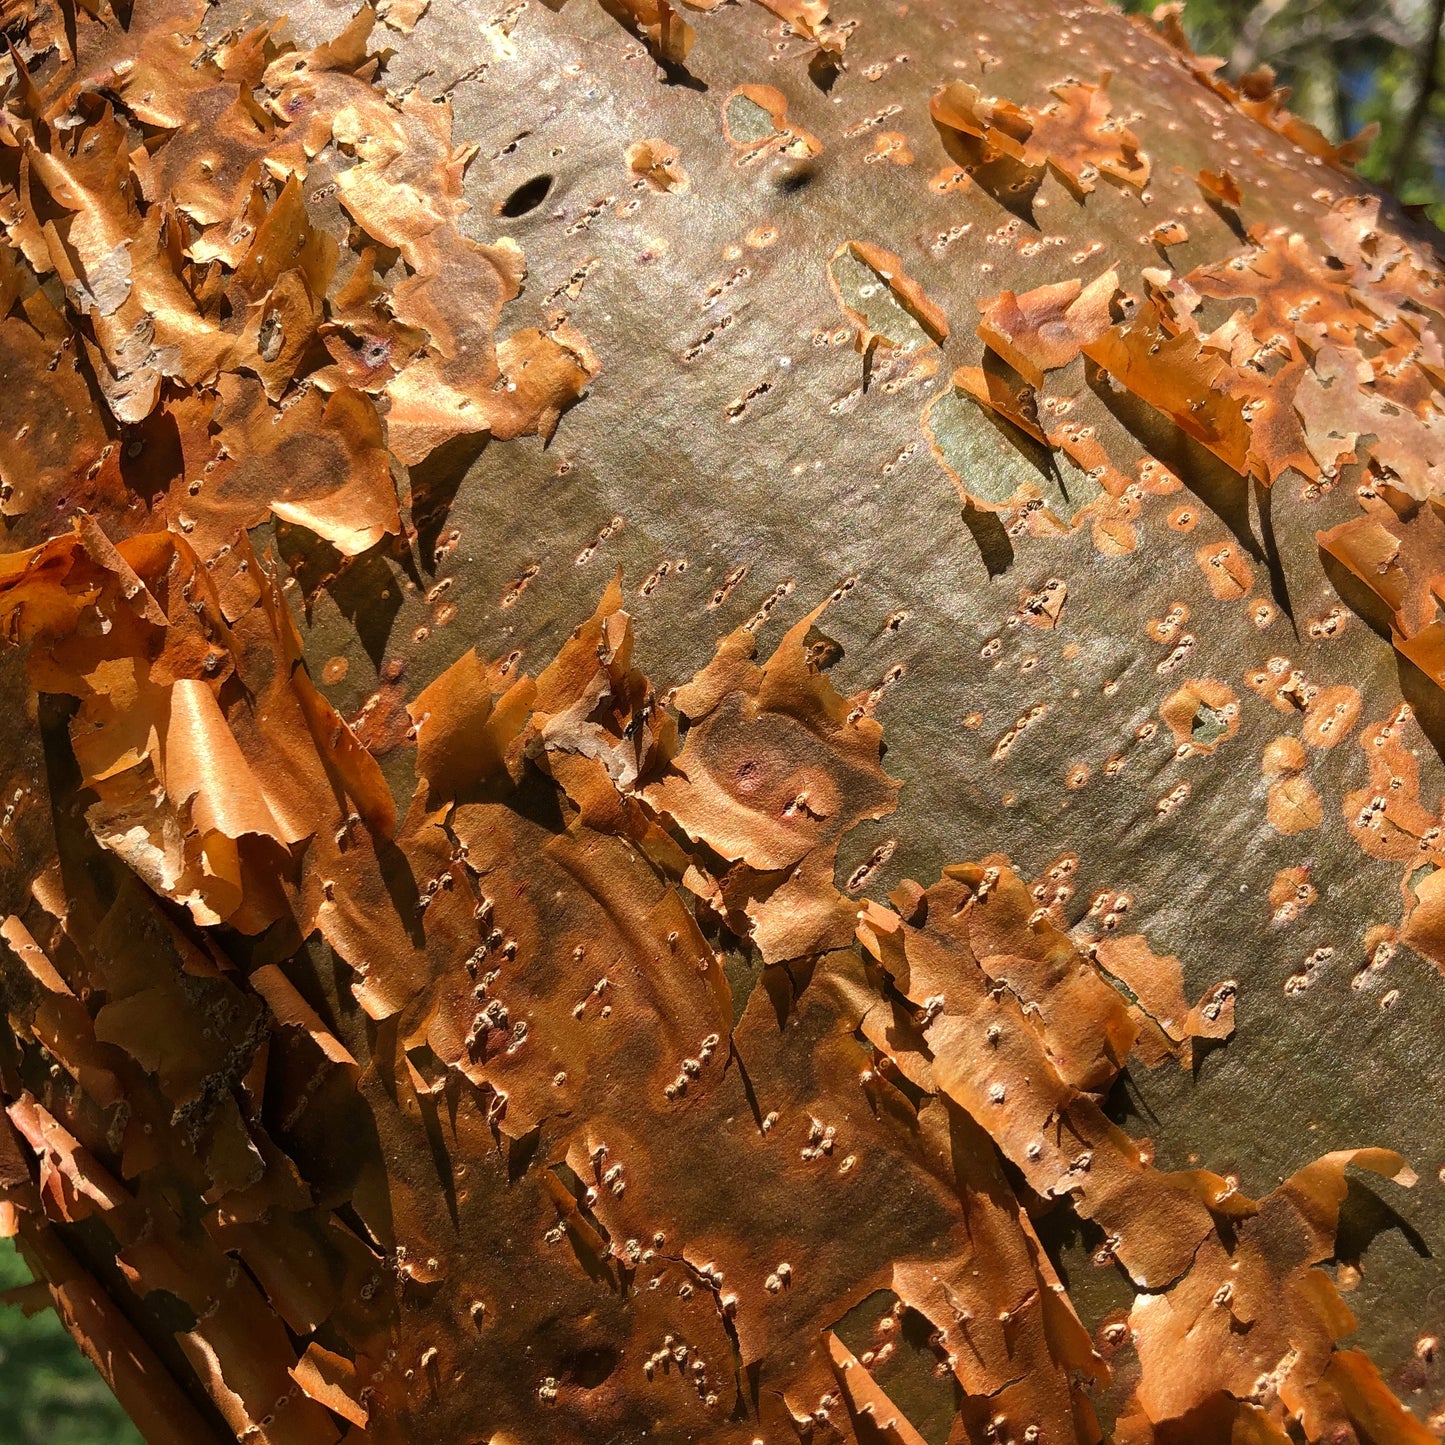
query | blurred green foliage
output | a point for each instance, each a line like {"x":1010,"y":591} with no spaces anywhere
{"x":1349,"y":63}
{"x":49,"y":1393}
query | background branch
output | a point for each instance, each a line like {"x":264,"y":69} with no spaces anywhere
{"x":1425,"y":85}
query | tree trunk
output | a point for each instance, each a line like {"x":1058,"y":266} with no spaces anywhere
{"x":674,"y":672}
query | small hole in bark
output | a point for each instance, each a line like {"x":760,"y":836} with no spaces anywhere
{"x":590,"y":1367}
{"x":527,"y":197}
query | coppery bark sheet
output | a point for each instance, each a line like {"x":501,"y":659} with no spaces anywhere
{"x":503,"y":1046}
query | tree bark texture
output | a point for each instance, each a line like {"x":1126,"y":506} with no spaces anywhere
{"x":722,"y":724}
